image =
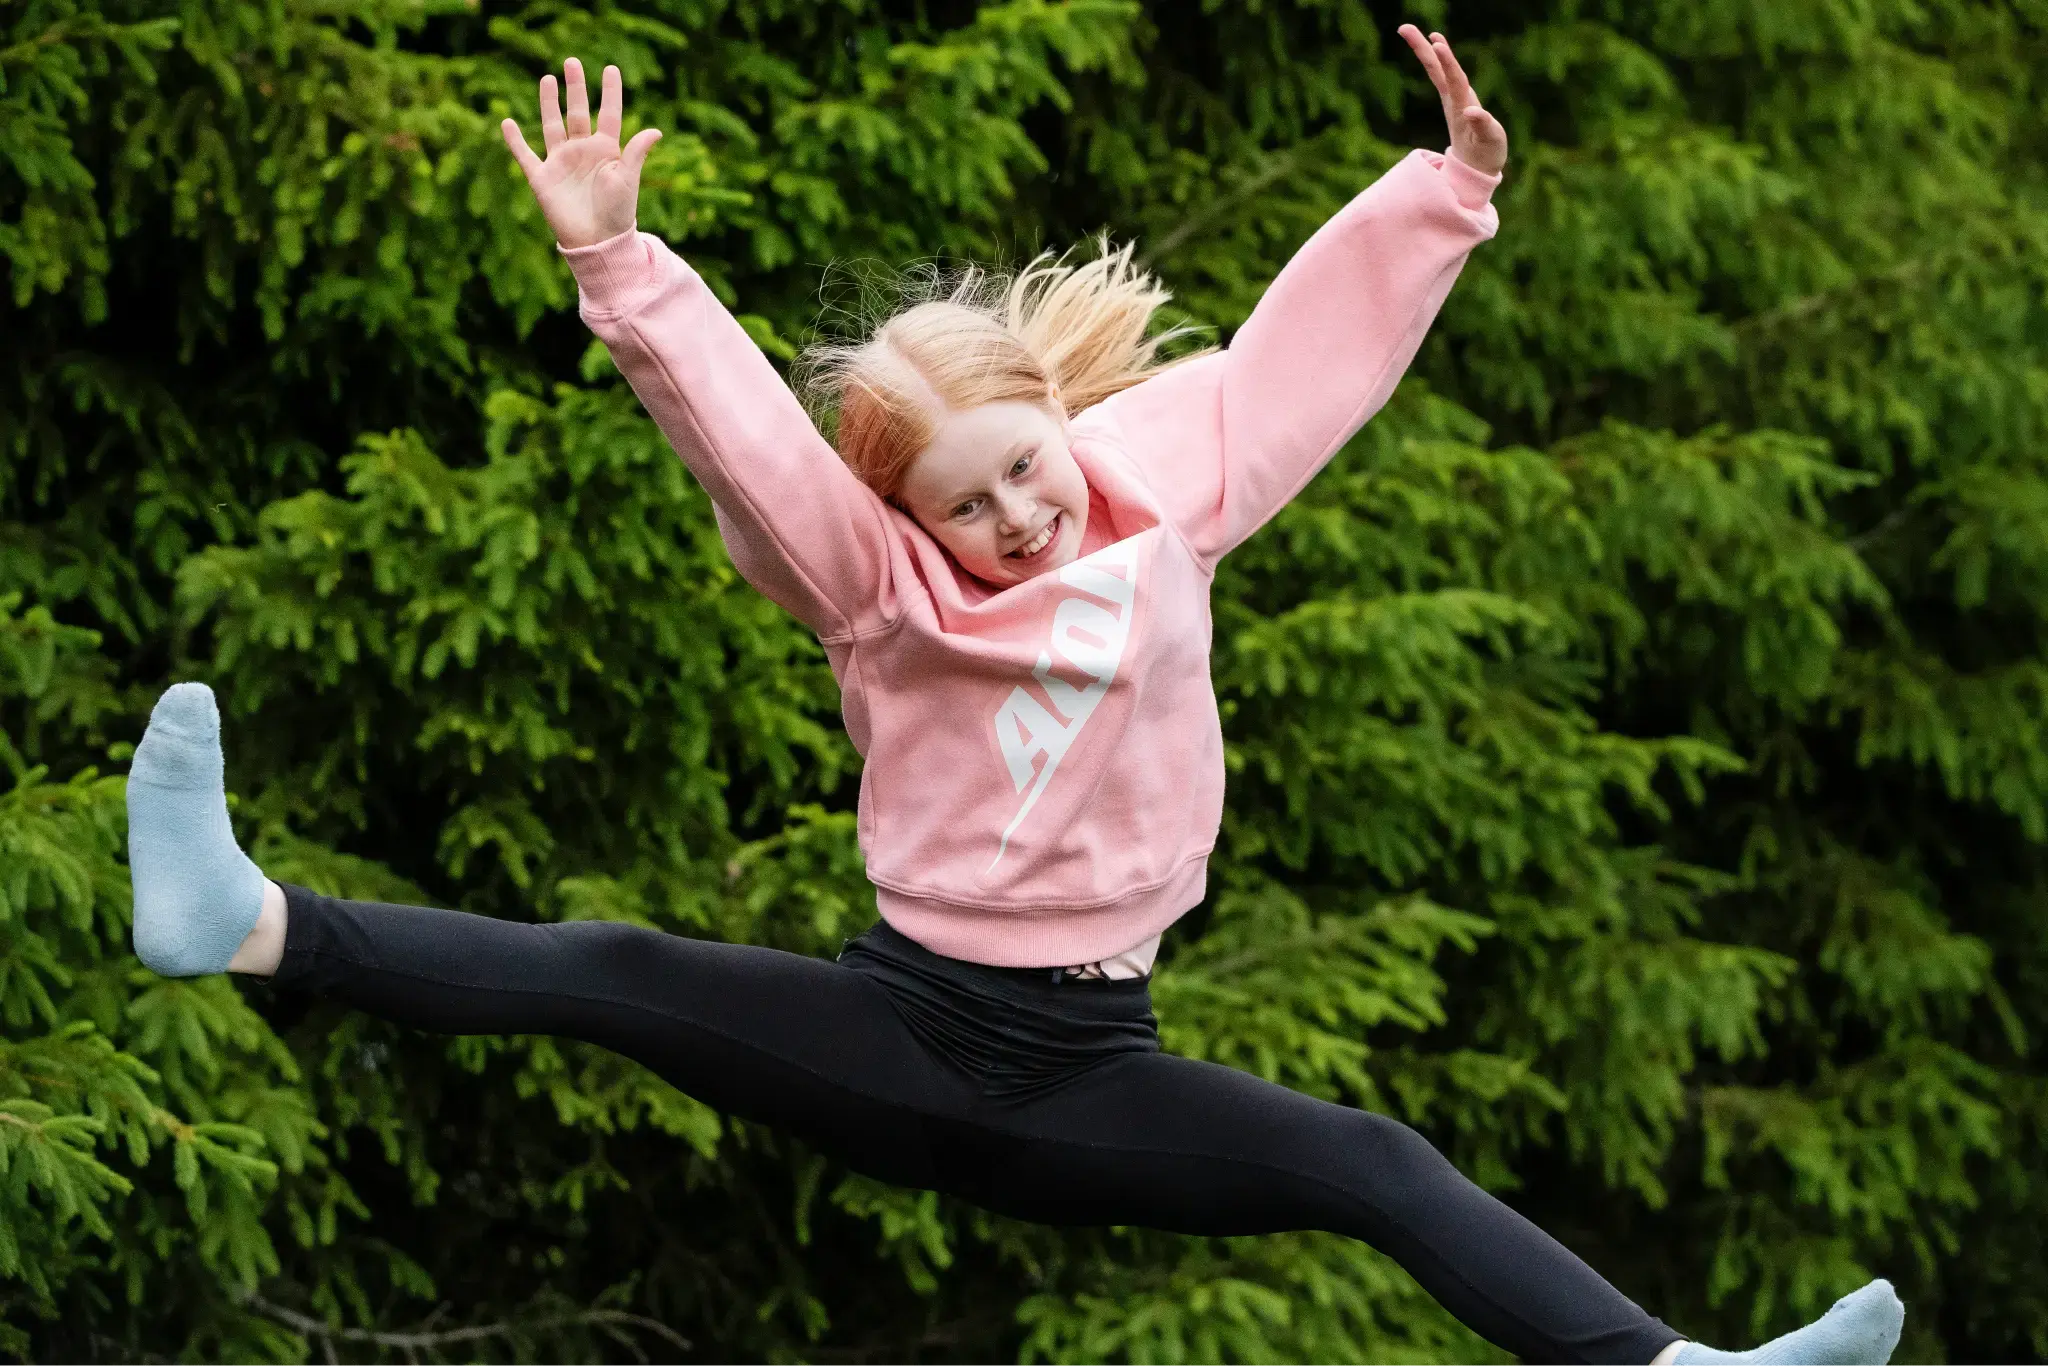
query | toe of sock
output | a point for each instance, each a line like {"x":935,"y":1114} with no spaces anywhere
{"x":1875,"y":1317}
{"x":1876,"y":1301}
{"x":181,"y":748}
{"x":189,"y":708}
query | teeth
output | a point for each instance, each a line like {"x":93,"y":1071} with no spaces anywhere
{"x":1038,"y":542}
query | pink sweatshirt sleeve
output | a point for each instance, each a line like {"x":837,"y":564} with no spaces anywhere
{"x":1227,"y":440}
{"x":799,"y":526}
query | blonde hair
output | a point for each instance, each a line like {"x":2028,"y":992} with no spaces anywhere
{"x":1057,"y":334}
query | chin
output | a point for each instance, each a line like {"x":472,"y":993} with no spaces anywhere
{"x":1051,"y":563}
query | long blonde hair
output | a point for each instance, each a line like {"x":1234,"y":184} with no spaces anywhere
{"x":1062,"y":335}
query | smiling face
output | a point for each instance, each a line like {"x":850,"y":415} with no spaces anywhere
{"x":998,"y":487}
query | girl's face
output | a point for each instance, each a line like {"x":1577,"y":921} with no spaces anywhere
{"x":998,"y":488}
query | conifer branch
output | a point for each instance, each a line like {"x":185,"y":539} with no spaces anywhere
{"x":1277,"y":168}
{"x":423,"y":1340}
{"x":968,"y":1328}
{"x":132,"y":1354}
{"x":1892,"y":521}
{"x":1276,"y":948}
{"x":1808,"y":304}
{"x":49,"y":37}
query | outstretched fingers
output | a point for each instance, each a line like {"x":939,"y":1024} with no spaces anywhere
{"x":610,"y":104}
{"x":551,"y":132}
{"x":1455,"y":88}
{"x":635,"y":154}
{"x":529,"y":164}
{"x":603,"y":171}
{"x":577,"y":120}
{"x":1426,"y":53}
{"x":1477,"y":137}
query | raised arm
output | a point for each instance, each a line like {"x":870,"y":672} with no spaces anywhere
{"x":798,"y":524}
{"x":1227,"y":440}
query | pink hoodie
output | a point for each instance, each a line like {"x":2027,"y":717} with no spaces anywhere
{"x":1044,"y":776}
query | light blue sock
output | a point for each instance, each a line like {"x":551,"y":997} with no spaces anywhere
{"x":196,"y":893}
{"x":1861,"y":1330}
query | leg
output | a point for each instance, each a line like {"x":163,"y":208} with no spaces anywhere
{"x":799,"y":1043}
{"x":263,"y":950}
{"x":1195,"y":1148}
{"x":770,"y":1036}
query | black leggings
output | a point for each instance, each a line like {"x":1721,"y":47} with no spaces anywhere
{"x":1034,"y":1097}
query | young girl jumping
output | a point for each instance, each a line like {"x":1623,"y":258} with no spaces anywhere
{"x":1007,"y":559}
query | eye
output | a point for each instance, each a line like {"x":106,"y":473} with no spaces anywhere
{"x":967,"y":509}
{"x":1023,"y":463}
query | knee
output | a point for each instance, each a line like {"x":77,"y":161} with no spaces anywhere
{"x":1398,"y":1150}
{"x":592,"y":936}
{"x":617,"y":952}
{"x":609,"y":939}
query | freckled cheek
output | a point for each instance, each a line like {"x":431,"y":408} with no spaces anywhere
{"x":1070,"y":489}
{"x":980,"y":548}
{"x":1077,"y":498}
{"x":965,"y":545}
{"x":1044,"y":491}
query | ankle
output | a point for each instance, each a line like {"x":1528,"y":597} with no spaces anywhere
{"x":263,"y":949}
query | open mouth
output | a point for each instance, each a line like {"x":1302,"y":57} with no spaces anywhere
{"x":1040,"y":543}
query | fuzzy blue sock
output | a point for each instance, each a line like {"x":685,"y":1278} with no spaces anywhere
{"x":1861,"y":1330}
{"x":196,"y":893}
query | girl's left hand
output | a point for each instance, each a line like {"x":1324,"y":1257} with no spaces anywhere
{"x":1477,"y":139}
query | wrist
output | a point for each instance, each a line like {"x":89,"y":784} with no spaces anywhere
{"x":592,"y":232}
{"x":1473,"y":186}
{"x":595,"y":238}
{"x":615,"y":273}
{"x":1476,"y":160}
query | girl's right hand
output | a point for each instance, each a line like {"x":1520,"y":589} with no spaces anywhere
{"x":588,"y":187}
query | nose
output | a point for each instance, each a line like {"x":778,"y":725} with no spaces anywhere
{"x":1015,"y":510}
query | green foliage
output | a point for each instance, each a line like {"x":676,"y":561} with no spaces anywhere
{"x":1638,"y":777}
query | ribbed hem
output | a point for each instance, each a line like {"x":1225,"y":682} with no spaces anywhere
{"x":304,"y":930}
{"x":613,"y":274}
{"x":1473,"y":186}
{"x":1048,"y":938}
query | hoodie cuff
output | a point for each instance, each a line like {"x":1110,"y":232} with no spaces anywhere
{"x":614,"y":273}
{"x":1473,"y":187}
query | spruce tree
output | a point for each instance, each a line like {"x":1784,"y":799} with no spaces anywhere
{"x":1636,"y":780}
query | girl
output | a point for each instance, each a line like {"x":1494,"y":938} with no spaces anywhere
{"x":1008,"y":560}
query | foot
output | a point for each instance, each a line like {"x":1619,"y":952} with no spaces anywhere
{"x":1861,"y":1330}
{"x":197,"y":895}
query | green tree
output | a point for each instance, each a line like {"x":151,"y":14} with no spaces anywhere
{"x":1636,"y":773}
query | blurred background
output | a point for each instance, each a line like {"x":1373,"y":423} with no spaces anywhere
{"x":1636,"y":740}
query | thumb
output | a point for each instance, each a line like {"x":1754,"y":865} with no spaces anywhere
{"x":1484,"y":131}
{"x":521,"y":153}
{"x":634,"y":155}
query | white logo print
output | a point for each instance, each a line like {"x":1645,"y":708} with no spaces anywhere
{"x":1090,"y":638}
